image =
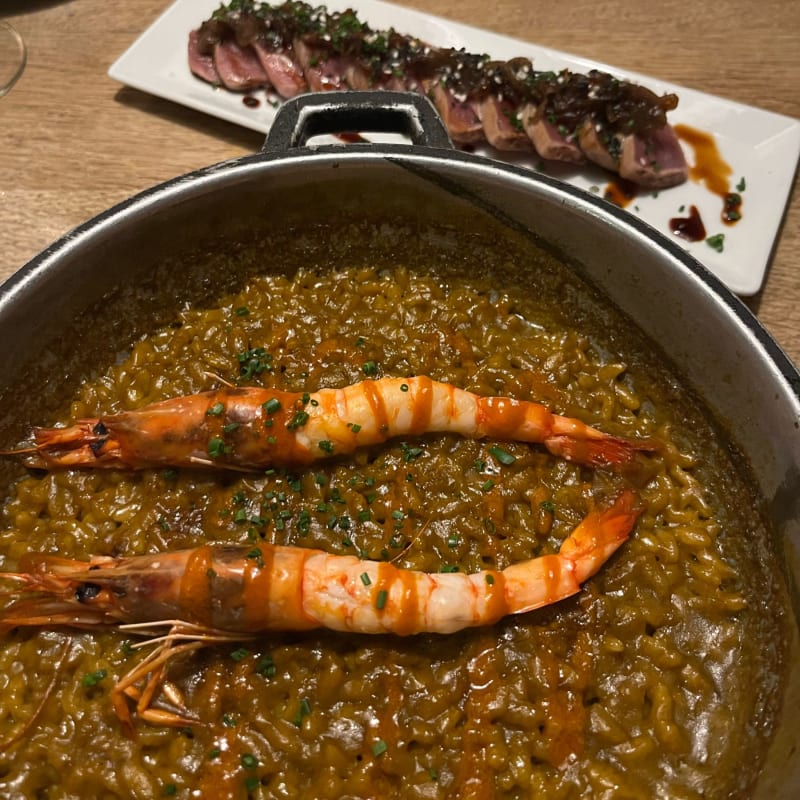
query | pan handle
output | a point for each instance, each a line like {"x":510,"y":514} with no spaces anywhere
{"x":356,"y":111}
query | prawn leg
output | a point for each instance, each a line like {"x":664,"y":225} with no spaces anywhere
{"x":182,"y":638}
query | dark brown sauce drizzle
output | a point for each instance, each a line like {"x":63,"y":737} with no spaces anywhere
{"x":690,"y":228}
{"x":250,"y":101}
{"x":712,"y":170}
{"x":351,"y":138}
{"x":621,"y":192}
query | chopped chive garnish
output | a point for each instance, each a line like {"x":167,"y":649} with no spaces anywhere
{"x":503,"y":456}
{"x":716,"y":242}
{"x":490,"y":580}
{"x":298,"y":420}
{"x":547,"y":505}
{"x":249,"y":761}
{"x":215,"y":410}
{"x":487,"y":485}
{"x":410,"y":453}
{"x":365,"y":579}
{"x":379,"y":748}
{"x":266,"y":667}
{"x":403,"y":387}
{"x":303,"y":711}
{"x":254,"y":362}
{"x":449,"y":568}
{"x":216,"y":448}
{"x":214,"y":752}
{"x":326,"y":446}
{"x":230,"y":427}
{"x":272,"y":405}
{"x":240,"y":654}
{"x":93,"y":678}
{"x":369,"y":368}
{"x":242,"y":311}
{"x":251,"y":783}
{"x":380,"y":600}
{"x":355,"y":427}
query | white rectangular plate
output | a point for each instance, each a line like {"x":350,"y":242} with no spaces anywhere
{"x":761,"y":147}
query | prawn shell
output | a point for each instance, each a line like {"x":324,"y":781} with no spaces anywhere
{"x":347,"y":594}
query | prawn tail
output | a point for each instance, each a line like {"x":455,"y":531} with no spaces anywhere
{"x":603,"y":451}
{"x":551,"y":578}
{"x":600,"y":534}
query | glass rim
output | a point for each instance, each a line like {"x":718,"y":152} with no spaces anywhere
{"x":7,"y":84}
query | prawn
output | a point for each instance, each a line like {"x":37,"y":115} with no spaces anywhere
{"x":250,"y":428}
{"x":188,"y":599}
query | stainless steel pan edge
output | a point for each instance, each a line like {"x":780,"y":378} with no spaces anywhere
{"x":718,"y":345}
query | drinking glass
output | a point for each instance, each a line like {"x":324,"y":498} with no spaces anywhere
{"x":12,"y":57}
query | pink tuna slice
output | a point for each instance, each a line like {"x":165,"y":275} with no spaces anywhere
{"x":497,"y":117}
{"x":285,"y":75}
{"x":656,"y":161}
{"x":201,"y":64}
{"x":323,"y":73}
{"x":238,"y":67}
{"x":459,"y":117}
{"x":593,"y":144}
{"x":547,"y":140}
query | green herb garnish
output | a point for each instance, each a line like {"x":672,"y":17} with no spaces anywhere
{"x":379,"y":748}
{"x":272,"y":406}
{"x":503,"y":456}
{"x":93,"y":678}
{"x":240,"y":654}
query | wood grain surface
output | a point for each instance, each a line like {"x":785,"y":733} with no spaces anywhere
{"x":73,"y":141}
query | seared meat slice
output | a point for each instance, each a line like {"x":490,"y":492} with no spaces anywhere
{"x":599,"y":145}
{"x":502,"y":124}
{"x":201,"y":64}
{"x":283,"y":72}
{"x":459,"y":116}
{"x":548,"y":141}
{"x":656,"y":161}
{"x":324,"y":71}
{"x":238,"y":67}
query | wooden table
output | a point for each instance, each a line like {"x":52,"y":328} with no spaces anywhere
{"x":73,"y":142}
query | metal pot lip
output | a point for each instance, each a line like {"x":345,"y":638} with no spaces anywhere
{"x":207,"y":178}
